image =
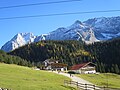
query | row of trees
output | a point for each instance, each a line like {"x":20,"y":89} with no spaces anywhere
{"x":10,"y":59}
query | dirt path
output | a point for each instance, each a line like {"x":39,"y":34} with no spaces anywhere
{"x":74,"y":78}
{"x":77,"y":79}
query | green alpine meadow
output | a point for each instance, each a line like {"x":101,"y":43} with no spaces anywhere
{"x":23,"y":78}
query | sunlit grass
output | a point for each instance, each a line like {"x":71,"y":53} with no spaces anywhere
{"x":105,"y":79}
{"x":23,"y":78}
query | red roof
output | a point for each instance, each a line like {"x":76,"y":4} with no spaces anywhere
{"x":78,"y":66}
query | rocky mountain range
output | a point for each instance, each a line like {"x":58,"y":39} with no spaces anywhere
{"x":18,"y":40}
{"x":90,"y":31}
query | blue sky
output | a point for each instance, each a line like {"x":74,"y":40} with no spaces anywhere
{"x":42,"y":25}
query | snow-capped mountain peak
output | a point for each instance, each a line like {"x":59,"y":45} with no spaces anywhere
{"x":90,"y":31}
{"x":18,"y":40}
{"x":77,"y":24}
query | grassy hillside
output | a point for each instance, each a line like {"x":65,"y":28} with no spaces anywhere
{"x":112,"y":80}
{"x":23,"y":78}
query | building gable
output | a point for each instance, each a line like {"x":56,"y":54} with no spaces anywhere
{"x":79,"y":66}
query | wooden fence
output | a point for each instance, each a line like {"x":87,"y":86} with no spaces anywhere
{"x":4,"y":89}
{"x":81,"y":86}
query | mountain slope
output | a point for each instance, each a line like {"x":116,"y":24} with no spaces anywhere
{"x":90,"y":31}
{"x":106,"y":55}
{"x":77,"y":31}
{"x":62,"y":50}
{"x":107,"y":28}
{"x":18,"y":40}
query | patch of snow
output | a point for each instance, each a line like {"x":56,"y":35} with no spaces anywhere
{"x":108,"y":35}
{"x":118,"y":34}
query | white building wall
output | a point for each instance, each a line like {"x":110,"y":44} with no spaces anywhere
{"x":77,"y":71}
{"x":62,"y":69}
{"x":90,"y":72}
{"x":48,"y":68}
{"x":81,"y":71}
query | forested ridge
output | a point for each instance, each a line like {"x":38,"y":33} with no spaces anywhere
{"x":106,"y":55}
{"x":10,"y":59}
{"x":69,"y":52}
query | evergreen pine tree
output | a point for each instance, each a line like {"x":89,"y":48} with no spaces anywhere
{"x":117,"y":69}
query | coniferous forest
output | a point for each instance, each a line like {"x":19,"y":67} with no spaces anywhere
{"x":69,"y":52}
{"x":106,"y":55}
{"x":10,"y":59}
